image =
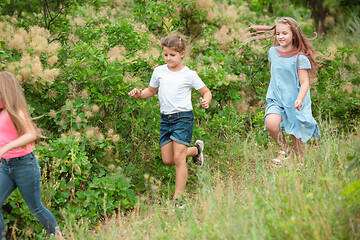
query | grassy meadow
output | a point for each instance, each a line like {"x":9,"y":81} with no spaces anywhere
{"x":240,"y":195}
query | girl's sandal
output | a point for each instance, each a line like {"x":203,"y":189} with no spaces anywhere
{"x":280,"y":160}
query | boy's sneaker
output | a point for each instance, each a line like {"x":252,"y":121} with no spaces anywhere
{"x":199,"y":158}
{"x":178,"y":203}
{"x":175,"y":205}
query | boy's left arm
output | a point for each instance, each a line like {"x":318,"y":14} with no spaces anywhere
{"x":206,"y":99}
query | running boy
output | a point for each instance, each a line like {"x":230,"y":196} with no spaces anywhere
{"x":174,"y":82}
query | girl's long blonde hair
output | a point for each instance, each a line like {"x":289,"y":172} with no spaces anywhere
{"x":301,"y":44}
{"x":14,"y":101}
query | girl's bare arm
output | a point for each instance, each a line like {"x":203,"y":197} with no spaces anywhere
{"x":304,"y":87}
{"x":29,"y":136}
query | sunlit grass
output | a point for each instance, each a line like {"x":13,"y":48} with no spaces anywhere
{"x":251,"y":199}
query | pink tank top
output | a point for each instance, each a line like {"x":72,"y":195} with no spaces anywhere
{"x":8,"y":134}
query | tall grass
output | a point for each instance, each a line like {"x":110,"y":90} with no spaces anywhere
{"x":251,"y":199}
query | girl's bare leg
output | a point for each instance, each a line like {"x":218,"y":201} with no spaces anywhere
{"x":175,"y":153}
{"x":272,"y":123}
{"x":299,"y":147}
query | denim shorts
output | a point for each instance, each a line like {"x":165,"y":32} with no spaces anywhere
{"x":176,"y":127}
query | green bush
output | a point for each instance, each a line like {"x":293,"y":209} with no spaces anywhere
{"x":84,"y":187}
{"x":335,"y":95}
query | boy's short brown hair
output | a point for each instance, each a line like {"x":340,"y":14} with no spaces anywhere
{"x":175,"y":42}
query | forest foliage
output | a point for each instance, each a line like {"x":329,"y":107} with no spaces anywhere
{"x":77,"y":60}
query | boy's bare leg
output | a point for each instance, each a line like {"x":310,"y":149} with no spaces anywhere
{"x":167,"y":154}
{"x":175,"y":153}
{"x":192,"y":152}
{"x":180,"y":151}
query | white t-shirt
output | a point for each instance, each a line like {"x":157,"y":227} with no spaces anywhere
{"x":175,"y":88}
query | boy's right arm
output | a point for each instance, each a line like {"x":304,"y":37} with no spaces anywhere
{"x":142,"y":94}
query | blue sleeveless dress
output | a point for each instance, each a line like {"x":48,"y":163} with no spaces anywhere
{"x":283,"y":91}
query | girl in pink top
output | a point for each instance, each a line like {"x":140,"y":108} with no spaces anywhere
{"x":19,"y":167}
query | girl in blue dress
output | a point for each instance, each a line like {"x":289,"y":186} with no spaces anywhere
{"x":288,"y":108}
